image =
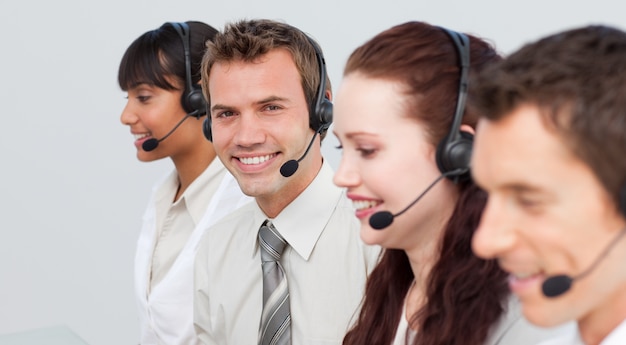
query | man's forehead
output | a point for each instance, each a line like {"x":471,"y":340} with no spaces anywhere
{"x":519,"y":152}
{"x":507,"y":146}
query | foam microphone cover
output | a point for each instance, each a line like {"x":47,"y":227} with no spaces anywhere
{"x":150,"y":144}
{"x":381,"y":220}
{"x":556,"y":285}
{"x":289,"y":168}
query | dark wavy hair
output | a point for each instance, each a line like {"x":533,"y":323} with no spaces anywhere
{"x":158,"y":54}
{"x":465,"y":295}
{"x":577,"y":79}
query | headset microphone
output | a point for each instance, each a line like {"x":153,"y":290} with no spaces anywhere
{"x":151,"y":144}
{"x":454,"y":151}
{"x":321,"y":113}
{"x":557,"y":285}
{"x":383,"y":219}
{"x":290,"y":166}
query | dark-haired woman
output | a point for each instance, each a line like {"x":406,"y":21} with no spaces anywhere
{"x":165,"y":120}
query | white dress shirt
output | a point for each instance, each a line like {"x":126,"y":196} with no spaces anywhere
{"x":404,"y":335}
{"x":616,"y":337}
{"x":166,"y":251}
{"x":514,"y":329}
{"x":511,"y":329}
{"x":325,"y":262}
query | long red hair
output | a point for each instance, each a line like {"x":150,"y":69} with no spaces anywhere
{"x":465,"y":295}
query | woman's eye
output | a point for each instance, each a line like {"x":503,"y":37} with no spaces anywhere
{"x":366,"y":152}
{"x":529,"y":204}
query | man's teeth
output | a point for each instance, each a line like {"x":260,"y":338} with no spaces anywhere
{"x":255,"y":160}
{"x":363,"y":204}
{"x":141,"y":136}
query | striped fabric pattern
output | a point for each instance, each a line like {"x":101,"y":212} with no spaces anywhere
{"x":275,"y":328}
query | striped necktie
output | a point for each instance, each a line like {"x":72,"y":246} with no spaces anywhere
{"x":275,"y":326}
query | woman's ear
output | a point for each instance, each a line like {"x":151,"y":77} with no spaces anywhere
{"x":467,"y":128}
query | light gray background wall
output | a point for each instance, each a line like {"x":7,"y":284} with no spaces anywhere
{"x":72,"y":193}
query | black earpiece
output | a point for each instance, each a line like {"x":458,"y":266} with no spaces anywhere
{"x":455,"y":150}
{"x":192,"y":99}
{"x":321,"y":113}
{"x":321,"y":109}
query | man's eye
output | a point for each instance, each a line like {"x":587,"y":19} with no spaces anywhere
{"x":273,"y":107}
{"x":225,"y":114}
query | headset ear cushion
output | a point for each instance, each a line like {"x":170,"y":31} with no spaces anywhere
{"x":325,"y":113}
{"x":455,"y":154}
{"x":206,"y":129}
{"x":193,"y":101}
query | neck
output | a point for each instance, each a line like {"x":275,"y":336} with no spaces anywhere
{"x":190,"y":165}
{"x":424,"y":254}
{"x":609,"y":309}
{"x":600,"y":322}
{"x":308,"y":169}
{"x":422,"y":260}
{"x":425,"y":245}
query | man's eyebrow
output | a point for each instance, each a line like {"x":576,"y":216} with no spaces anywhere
{"x":271,"y":99}
{"x":259,"y":102}
{"x":219,"y":107}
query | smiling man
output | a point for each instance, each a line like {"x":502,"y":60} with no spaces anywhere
{"x":289,"y":268}
{"x":550,"y":153}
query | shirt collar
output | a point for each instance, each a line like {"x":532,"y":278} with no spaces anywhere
{"x":573,"y":337}
{"x":302,"y":222}
{"x":194,"y":197}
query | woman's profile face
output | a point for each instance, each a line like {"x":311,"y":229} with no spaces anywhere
{"x":152,"y":112}
{"x":387,"y":162}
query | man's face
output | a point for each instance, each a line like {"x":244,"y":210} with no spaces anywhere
{"x":260,"y":120}
{"x":547,"y":214}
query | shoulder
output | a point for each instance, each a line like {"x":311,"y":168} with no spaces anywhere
{"x":230,"y":234}
{"x":232,"y":226}
{"x":562,"y":340}
{"x":166,"y":182}
{"x":345,"y":224}
{"x":237,"y":218}
{"x":514,"y":329}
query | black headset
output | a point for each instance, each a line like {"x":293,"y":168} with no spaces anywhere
{"x":455,"y":150}
{"x":320,"y":110}
{"x":192,"y":99}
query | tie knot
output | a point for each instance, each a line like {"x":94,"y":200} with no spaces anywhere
{"x":270,"y":242}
